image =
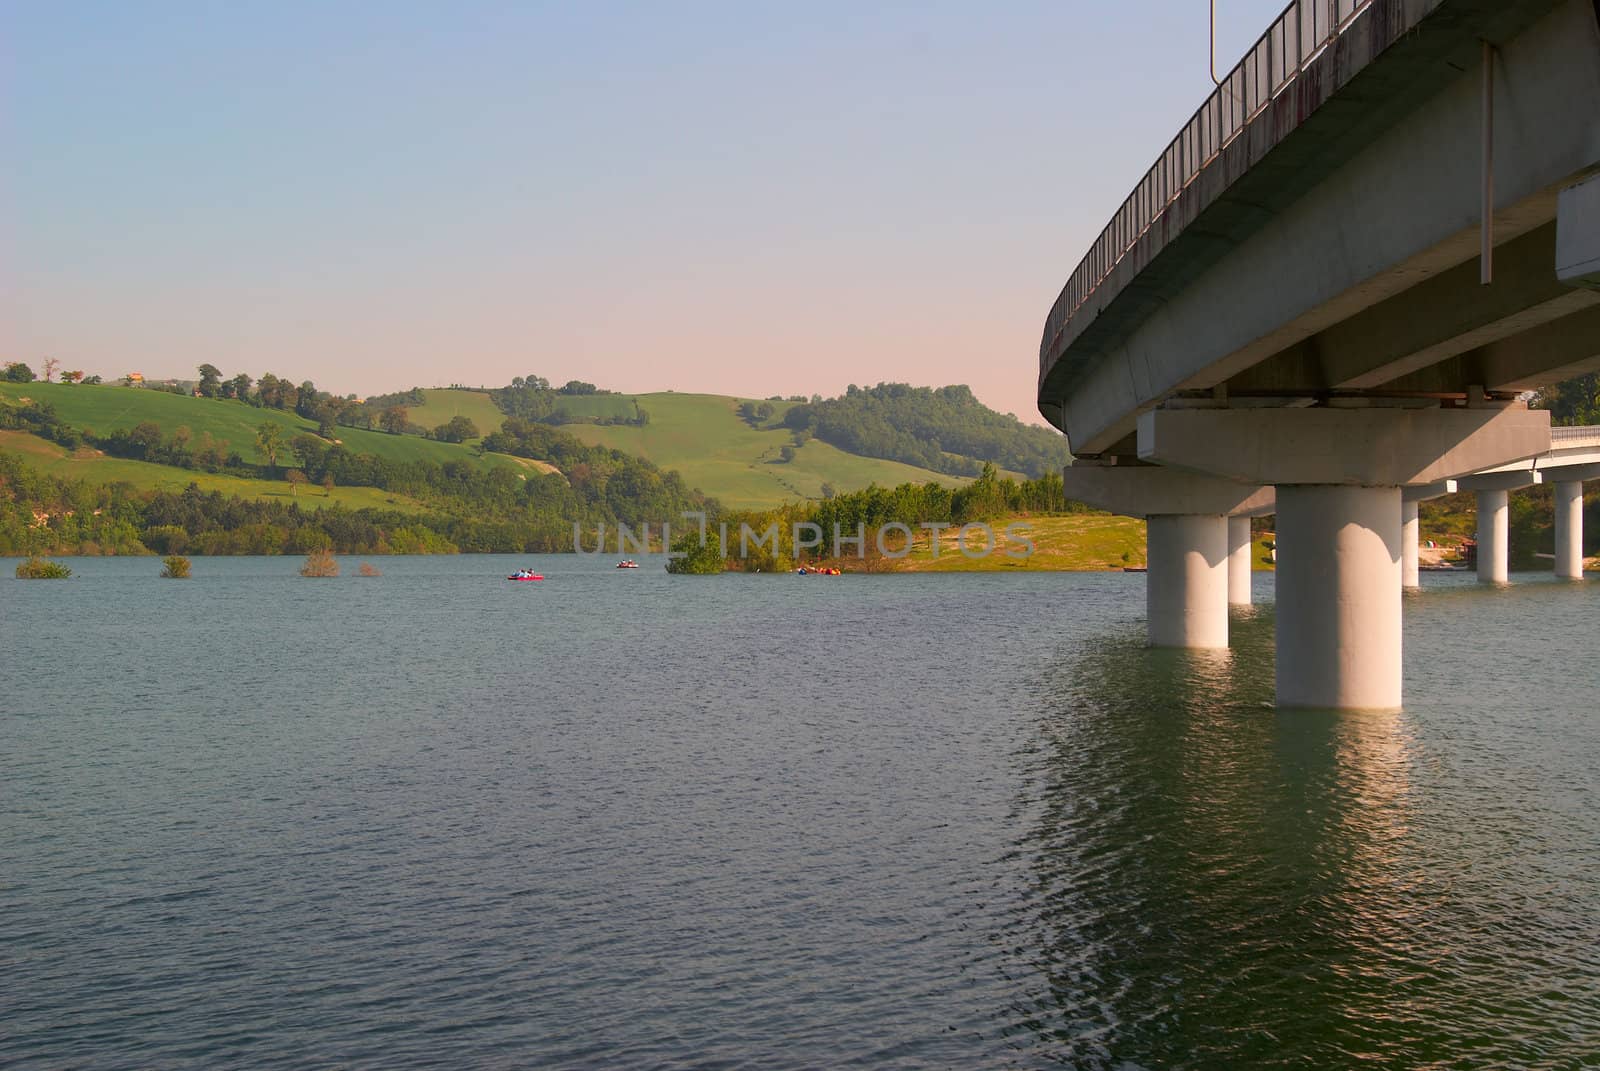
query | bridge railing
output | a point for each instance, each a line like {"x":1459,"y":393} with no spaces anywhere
{"x":1579,"y":435}
{"x":1297,"y":37}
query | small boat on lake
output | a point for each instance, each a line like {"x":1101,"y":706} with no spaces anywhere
{"x":525,"y":574}
{"x":627,"y":563}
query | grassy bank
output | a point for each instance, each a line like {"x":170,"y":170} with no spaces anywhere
{"x":1077,"y":542}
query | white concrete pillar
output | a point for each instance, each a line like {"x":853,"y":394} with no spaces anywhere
{"x":1569,"y":529}
{"x":1494,"y":537}
{"x":1186,"y":591}
{"x":1410,"y":537}
{"x":1239,"y":561}
{"x":1339,"y":597}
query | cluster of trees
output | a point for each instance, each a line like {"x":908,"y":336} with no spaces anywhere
{"x":38,"y":419}
{"x":388,"y":412}
{"x":987,"y":498}
{"x":756,"y":414}
{"x":183,"y":449}
{"x":532,"y":398}
{"x":41,"y":514}
{"x":1576,"y":401}
{"x":17,"y":372}
{"x":629,"y":486}
{"x":944,"y":429}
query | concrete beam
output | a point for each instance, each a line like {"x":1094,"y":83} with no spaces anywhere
{"x":1359,"y":447}
{"x":1569,"y":473}
{"x":1439,"y":318}
{"x":1500,"y":481}
{"x":1148,"y":490}
{"x":1578,"y":244}
{"x":1538,"y":355}
{"x":1426,"y":492}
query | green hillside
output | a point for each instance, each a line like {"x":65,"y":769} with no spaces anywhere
{"x":596,"y":406}
{"x":702,"y":436}
{"x":104,"y":408}
{"x":442,"y":404}
{"x":94,"y":467}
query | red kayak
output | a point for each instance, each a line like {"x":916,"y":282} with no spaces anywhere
{"x":532,"y":576}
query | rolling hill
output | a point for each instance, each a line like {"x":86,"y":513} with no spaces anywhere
{"x":441,"y":404}
{"x":103,"y":408}
{"x":702,"y":436}
{"x":95,"y":467}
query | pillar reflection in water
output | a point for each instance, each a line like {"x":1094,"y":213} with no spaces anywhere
{"x":1212,"y":882}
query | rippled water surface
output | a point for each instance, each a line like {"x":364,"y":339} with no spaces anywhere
{"x":620,"y":819}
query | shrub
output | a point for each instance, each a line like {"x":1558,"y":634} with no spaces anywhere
{"x":320,"y":563}
{"x":695,"y":556}
{"x":37,"y":568}
{"x":368,"y":569}
{"x":177,"y":568}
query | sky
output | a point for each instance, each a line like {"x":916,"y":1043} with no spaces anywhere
{"x":744,"y":198}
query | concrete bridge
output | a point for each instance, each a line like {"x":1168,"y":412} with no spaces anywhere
{"x":1327,"y":297}
{"x":1573,"y":457}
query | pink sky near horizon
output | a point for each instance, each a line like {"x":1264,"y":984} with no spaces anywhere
{"x":757,"y":203}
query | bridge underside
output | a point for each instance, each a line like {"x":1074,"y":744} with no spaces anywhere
{"x":1366,"y":284}
{"x":1311,"y":320}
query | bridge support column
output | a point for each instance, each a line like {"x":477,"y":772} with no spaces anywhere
{"x":1186,"y":591}
{"x":1494,"y":515}
{"x":1411,"y":528}
{"x":1410,"y":539}
{"x":1338,"y":474}
{"x":1494,"y":537}
{"x":1569,"y":529}
{"x":1568,"y":480}
{"x":1186,"y":540}
{"x":1339,"y":597}
{"x":1239,"y":561}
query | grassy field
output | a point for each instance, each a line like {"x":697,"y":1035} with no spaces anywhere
{"x":95,"y":467}
{"x":441,"y":405}
{"x":598,"y":406}
{"x":1077,"y":542}
{"x":702,"y":437}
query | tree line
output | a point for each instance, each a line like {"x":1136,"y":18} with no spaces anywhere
{"x":531,"y":398}
{"x":945,"y":429}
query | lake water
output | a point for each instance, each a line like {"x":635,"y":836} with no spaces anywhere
{"x":622,"y":819}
